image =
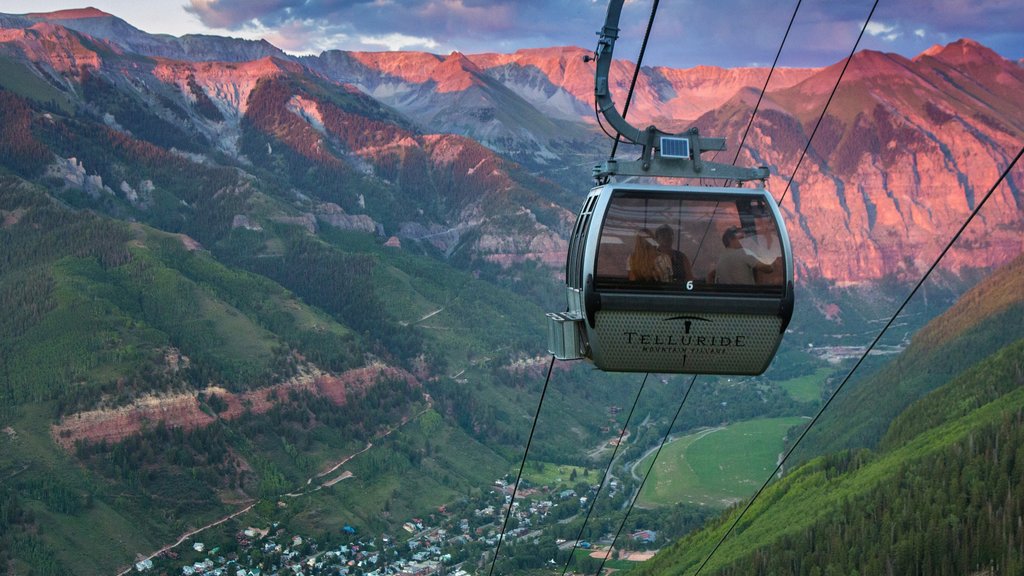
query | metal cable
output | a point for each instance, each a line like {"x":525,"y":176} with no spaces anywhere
{"x":515,"y":487}
{"x":766,"y":81}
{"x":651,"y":467}
{"x":830,"y":96}
{"x":636,"y":73}
{"x":604,"y":478}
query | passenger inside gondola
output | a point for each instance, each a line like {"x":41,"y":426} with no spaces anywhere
{"x":764,"y":244}
{"x":736,"y":265}
{"x":688,"y":235}
{"x":646,"y":263}
{"x":682,"y":269}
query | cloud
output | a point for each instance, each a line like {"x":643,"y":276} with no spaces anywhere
{"x":399,"y":42}
{"x":236,"y":14}
{"x":884,"y":31}
{"x":699,"y":33}
{"x":878,"y":28}
{"x":385,"y":22}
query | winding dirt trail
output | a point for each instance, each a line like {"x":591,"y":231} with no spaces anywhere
{"x":188,"y":535}
{"x":309,"y":482}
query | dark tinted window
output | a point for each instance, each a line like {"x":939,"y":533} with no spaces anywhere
{"x":689,"y":242}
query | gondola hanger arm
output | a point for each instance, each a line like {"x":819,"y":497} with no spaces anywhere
{"x":663,"y":153}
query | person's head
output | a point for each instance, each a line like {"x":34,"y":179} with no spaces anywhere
{"x":664,"y":236}
{"x":732,"y":234}
{"x":644,"y":241}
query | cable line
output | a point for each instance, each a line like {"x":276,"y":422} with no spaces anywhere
{"x":864,"y":356}
{"x":644,"y":481}
{"x":829,"y":101}
{"x":515,"y":487}
{"x":766,"y":80}
{"x":636,"y":72}
{"x":604,"y":478}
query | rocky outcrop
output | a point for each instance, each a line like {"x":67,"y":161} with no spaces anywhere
{"x":186,"y":410}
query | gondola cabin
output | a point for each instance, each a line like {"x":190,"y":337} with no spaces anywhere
{"x":679,"y":279}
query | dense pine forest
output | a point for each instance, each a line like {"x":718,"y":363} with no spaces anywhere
{"x":939,"y":492}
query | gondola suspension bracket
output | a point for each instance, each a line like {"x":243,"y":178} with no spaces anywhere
{"x":653,"y":160}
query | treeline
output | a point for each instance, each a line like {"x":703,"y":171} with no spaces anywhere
{"x":180,"y":471}
{"x":357,"y":131}
{"x":27,"y":493}
{"x":331,"y":346}
{"x":957,"y":512}
{"x":938,"y":354}
{"x":305,"y":419}
{"x":944,"y":496}
{"x":288,"y":150}
{"x":20,"y":542}
{"x":136,"y":116}
{"x":20,"y":150}
{"x":186,"y":195}
{"x":117,"y":156}
{"x":43,"y":234}
{"x":177,"y":470}
{"x":46,"y":231}
{"x":78,"y":302}
{"x":343,"y":285}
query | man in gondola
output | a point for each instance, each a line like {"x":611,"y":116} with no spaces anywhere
{"x":736,"y":265}
{"x":682,"y":270}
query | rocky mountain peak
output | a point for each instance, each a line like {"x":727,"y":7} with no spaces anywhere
{"x":904,"y":151}
{"x":963,"y":52}
{"x":414,"y":67}
{"x":53,"y":45}
{"x":71,"y":14}
{"x":455,"y":73}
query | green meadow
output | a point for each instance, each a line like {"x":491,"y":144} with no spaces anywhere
{"x":807,"y":388}
{"x":553,"y":475}
{"x":715,"y":467}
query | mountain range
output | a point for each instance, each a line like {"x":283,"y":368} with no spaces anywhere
{"x":904,"y":150}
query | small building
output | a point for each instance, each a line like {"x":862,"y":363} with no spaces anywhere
{"x":645,"y":536}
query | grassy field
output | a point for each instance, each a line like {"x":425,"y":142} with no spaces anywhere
{"x":21,"y":81}
{"x":715,"y":467}
{"x":554,"y":475}
{"x":807,"y":388}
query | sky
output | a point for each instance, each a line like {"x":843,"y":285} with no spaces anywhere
{"x":686,"y":33}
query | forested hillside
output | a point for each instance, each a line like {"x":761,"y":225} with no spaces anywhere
{"x":986,"y":318}
{"x":938,"y":495}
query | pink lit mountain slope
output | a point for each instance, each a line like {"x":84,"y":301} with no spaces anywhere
{"x":99,"y":24}
{"x":907,"y":149}
{"x":357,"y":164}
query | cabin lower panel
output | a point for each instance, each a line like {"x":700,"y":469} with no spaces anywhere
{"x":693,"y":343}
